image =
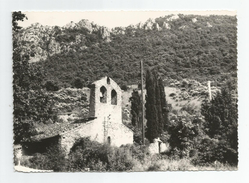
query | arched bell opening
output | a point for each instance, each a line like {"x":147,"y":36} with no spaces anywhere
{"x":103,"y":95}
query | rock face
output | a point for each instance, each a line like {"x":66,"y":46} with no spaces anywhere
{"x":70,"y":25}
{"x":85,"y":24}
{"x":105,"y":33}
{"x":209,"y":25}
{"x":166,"y":25}
{"x":194,"y":20}
{"x":140,"y":25}
{"x":174,"y":17}
{"x":149,"y":24}
{"x":41,"y":42}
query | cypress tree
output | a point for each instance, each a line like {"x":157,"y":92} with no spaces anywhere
{"x":156,"y":106}
{"x":151,"y":108}
{"x":135,"y":108}
{"x":164,"y":105}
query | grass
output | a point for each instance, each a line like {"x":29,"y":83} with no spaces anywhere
{"x":150,"y":164}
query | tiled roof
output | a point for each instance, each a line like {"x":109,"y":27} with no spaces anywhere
{"x":52,"y":130}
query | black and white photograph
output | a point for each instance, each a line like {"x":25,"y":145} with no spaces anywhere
{"x":125,"y":91}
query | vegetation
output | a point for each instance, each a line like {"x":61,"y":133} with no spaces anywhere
{"x":136,"y":106}
{"x":31,"y":103}
{"x":156,"y":106}
{"x":221,"y":125}
{"x":88,"y":155}
{"x":202,"y":50}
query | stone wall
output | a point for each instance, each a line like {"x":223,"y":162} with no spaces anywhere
{"x":158,"y":147}
{"x":119,"y":134}
{"x":90,"y":129}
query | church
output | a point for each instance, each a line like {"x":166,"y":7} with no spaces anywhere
{"x":103,"y":125}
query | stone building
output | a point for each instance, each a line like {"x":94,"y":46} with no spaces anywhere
{"x":104,"y":124}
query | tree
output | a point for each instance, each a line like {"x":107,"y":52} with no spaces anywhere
{"x":220,"y":114}
{"x":77,"y":83}
{"x":164,"y":105}
{"x":136,"y":108}
{"x":151,"y":108}
{"x":31,"y":103}
{"x":156,"y":106}
{"x":51,"y":86}
{"x":17,"y":16}
{"x":221,"y":122}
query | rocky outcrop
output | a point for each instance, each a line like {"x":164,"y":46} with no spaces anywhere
{"x":174,"y":17}
{"x":140,"y":25}
{"x":166,"y":25}
{"x":209,"y":25}
{"x":194,"y":20}
{"x":118,"y":30}
{"x":70,"y":25}
{"x":86,"y":24}
{"x":149,"y":25}
{"x":105,"y":34}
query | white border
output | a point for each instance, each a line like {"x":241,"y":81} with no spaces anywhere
{"x":7,"y":173}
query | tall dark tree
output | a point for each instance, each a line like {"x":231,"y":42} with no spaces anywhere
{"x":156,"y":106}
{"x":136,"y":108}
{"x":151,"y":108}
{"x":164,"y":105}
{"x":160,"y":125}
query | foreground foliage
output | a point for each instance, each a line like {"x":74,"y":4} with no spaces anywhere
{"x":87,"y":155}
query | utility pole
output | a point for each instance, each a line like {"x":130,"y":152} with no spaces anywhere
{"x":142,"y":95}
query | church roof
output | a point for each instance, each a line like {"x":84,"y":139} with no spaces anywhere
{"x":105,"y":80}
{"x":56,"y":129}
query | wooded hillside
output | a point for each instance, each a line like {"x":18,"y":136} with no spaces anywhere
{"x":180,"y":46}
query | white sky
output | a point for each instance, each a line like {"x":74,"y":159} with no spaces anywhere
{"x":109,"y":19}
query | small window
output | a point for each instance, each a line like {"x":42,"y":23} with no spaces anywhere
{"x":103,"y":95}
{"x":109,"y":140}
{"x":114,"y":97}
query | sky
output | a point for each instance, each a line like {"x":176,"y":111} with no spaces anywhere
{"x":108,"y":19}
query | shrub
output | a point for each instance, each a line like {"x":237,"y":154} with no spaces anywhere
{"x":124,"y":87}
{"x":77,"y":83}
{"x":185,"y":134}
{"x":54,"y":159}
{"x":211,"y":151}
{"x":51,"y":86}
{"x":99,"y":157}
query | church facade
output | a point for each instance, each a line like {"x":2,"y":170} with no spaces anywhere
{"x":105,"y":113}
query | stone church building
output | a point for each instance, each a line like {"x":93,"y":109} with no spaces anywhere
{"x":104,"y":124}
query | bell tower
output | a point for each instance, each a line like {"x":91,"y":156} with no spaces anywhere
{"x":106,"y":100}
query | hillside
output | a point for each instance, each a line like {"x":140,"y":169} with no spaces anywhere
{"x":179,"y":46}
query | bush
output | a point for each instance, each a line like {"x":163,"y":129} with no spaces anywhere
{"x":124,"y":87}
{"x":51,"y":86}
{"x":211,"y":151}
{"x":99,"y":157}
{"x":54,"y":159}
{"x":77,"y":83}
{"x":185,"y":134}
